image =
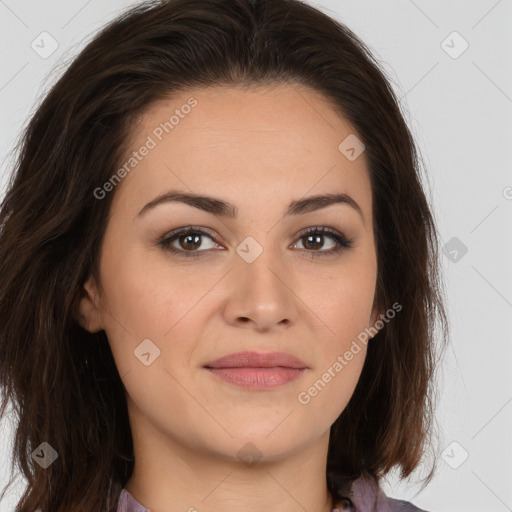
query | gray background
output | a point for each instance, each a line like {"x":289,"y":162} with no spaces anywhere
{"x":459,"y":107}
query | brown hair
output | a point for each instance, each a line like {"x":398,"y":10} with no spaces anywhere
{"x":63,"y":380}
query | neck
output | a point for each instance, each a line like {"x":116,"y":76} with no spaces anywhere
{"x":169,"y":476}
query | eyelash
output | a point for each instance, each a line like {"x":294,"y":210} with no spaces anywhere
{"x":339,"y":238}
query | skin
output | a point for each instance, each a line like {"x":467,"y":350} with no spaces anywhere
{"x":258,"y":148}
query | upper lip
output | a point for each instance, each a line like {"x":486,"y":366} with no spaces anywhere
{"x":257,"y":360}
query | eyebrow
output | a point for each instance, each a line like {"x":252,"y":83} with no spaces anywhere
{"x":224,"y":209}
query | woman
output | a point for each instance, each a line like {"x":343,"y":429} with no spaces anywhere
{"x":219,"y":276}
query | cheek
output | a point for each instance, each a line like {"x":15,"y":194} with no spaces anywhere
{"x":149,"y":300}
{"x":328,"y":391}
{"x":344,"y":300}
{"x":140,"y":305}
{"x":346,"y":306}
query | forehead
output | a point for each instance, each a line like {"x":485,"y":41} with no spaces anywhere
{"x":254,"y":141}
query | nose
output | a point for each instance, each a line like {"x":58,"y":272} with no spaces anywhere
{"x":261,"y":294}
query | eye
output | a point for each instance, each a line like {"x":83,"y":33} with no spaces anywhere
{"x":315,"y":237}
{"x":190,"y":240}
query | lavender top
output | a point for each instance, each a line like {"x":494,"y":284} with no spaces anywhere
{"x":365,"y":495}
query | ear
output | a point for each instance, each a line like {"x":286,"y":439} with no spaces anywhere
{"x":88,"y":309}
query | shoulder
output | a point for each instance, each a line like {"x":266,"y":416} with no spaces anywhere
{"x":391,"y":505}
{"x":127,"y":503}
{"x":366,"y":495}
{"x":402,"y":506}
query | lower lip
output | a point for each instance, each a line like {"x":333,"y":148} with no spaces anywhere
{"x":257,"y":378}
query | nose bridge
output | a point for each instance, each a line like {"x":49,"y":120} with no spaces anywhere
{"x":260,"y":288}
{"x":259,"y":263}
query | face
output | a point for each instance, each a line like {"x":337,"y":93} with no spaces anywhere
{"x":184,"y":285}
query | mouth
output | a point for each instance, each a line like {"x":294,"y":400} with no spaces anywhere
{"x":257,"y":360}
{"x":257,"y":378}
{"x":253,"y":370}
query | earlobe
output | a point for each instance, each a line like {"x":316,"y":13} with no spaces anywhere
{"x":88,"y":310}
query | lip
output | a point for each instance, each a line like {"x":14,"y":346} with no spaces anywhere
{"x":256,"y":370}
{"x":251,"y":359}
{"x":257,"y":378}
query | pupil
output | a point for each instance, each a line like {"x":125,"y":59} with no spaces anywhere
{"x":195,"y":244}
{"x":317,"y":243}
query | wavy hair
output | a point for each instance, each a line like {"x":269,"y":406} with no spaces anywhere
{"x":62,"y":380}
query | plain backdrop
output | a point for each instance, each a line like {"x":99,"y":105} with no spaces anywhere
{"x":451,"y":65}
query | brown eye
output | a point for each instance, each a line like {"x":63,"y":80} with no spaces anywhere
{"x":190,"y":242}
{"x":314,"y":239}
{"x":186,"y":241}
